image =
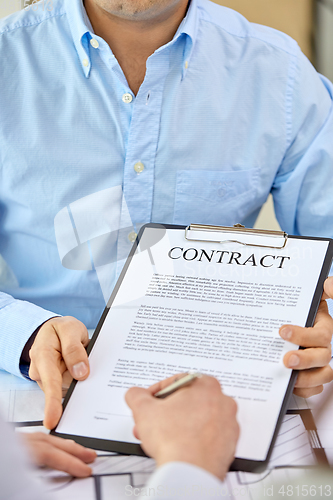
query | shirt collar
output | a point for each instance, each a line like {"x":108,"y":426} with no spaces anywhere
{"x":82,"y":31}
{"x":188,"y":27}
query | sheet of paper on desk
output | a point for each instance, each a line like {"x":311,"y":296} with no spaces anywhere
{"x":172,"y":314}
{"x":111,"y":475}
{"x":292,"y":446}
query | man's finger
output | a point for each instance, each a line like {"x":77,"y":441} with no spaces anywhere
{"x":307,"y":393}
{"x":73,"y":350}
{"x":50,"y":456}
{"x":328,"y":288}
{"x":50,"y":380}
{"x":314,"y":377}
{"x":66,"y":382}
{"x":318,"y":336}
{"x":323,"y":315}
{"x":69,"y":446}
{"x":136,"y":433}
{"x":307,"y":358}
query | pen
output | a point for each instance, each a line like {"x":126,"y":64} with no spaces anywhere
{"x":187,"y":379}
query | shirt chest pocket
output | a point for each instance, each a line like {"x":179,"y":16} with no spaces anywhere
{"x":214,"y":196}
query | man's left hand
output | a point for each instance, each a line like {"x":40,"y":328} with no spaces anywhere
{"x":313,"y":362}
{"x":60,"y":454}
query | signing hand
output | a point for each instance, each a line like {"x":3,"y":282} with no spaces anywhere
{"x":60,"y":454}
{"x":312,"y":361}
{"x":59,"y":347}
{"x":196,"y":424}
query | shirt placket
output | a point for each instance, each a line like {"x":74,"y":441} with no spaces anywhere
{"x":139,"y":167}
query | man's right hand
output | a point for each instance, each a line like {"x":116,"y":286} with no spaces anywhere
{"x":196,"y":424}
{"x":57,"y":352}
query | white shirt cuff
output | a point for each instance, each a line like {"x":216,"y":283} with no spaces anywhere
{"x":180,"y":480}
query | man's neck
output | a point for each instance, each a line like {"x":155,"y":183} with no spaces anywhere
{"x":133,"y":41}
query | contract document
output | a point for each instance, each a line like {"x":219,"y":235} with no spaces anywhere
{"x":209,"y":304}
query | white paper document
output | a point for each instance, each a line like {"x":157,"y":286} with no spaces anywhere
{"x":195,"y":305}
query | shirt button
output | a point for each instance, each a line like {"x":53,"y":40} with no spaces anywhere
{"x":139,"y":167}
{"x":127,"y":98}
{"x":94,"y":43}
{"x":85,"y":62}
{"x":132,"y":236}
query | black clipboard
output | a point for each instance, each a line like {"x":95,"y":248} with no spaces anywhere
{"x":239,"y":464}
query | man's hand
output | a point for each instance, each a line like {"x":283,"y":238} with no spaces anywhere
{"x":312,"y":361}
{"x":59,"y":348}
{"x":60,"y":454}
{"x":196,"y":424}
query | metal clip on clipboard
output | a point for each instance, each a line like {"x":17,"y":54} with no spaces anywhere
{"x":237,"y":229}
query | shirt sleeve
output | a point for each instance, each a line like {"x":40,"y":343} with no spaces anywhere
{"x":303,"y":187}
{"x":18,"y":319}
{"x":178,"y":480}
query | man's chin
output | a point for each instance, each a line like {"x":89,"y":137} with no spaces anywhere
{"x":138,"y":10}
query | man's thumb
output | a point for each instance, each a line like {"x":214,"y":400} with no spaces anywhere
{"x":328,"y":288}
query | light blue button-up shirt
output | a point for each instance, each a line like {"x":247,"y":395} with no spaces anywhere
{"x":228,"y":112}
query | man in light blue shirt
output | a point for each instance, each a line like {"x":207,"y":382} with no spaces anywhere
{"x":114,"y":114}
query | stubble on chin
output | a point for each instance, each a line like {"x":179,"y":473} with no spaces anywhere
{"x":129,"y":8}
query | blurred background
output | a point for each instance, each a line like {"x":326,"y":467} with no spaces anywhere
{"x":310,"y":22}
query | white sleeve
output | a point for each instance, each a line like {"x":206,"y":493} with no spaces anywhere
{"x":179,"y":480}
{"x":16,"y":473}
